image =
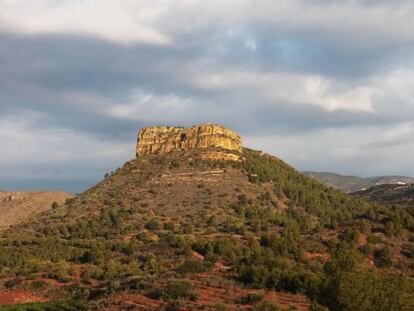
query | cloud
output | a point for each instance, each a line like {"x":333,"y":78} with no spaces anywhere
{"x":160,"y":21}
{"x":358,"y":150}
{"x":53,"y":158}
{"x":293,"y":89}
{"x":125,"y":22}
{"x":150,"y":107}
{"x":324,"y":84}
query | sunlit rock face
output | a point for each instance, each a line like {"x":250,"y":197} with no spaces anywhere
{"x":214,"y":140}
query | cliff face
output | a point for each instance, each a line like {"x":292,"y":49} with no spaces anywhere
{"x":165,"y":139}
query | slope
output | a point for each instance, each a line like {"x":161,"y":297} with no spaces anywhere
{"x":171,"y":230}
{"x":16,"y":207}
{"x":389,"y":194}
{"x":341,"y":182}
{"x":354,"y":183}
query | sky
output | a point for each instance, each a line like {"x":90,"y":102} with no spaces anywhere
{"x":326,"y":85}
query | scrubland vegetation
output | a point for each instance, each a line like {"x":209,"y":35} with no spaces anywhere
{"x":258,"y":225}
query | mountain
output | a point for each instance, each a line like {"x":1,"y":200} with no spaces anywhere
{"x":16,"y":207}
{"x":198,"y":222}
{"x":389,"y":194}
{"x":353,"y":183}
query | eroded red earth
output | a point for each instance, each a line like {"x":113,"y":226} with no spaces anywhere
{"x":9,"y":297}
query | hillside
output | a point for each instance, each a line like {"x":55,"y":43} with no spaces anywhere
{"x":389,"y":194}
{"x":353,"y":183}
{"x":182,"y":230}
{"x":16,"y":207}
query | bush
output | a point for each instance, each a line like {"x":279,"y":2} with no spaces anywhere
{"x":85,"y":277}
{"x":152,"y":225}
{"x":267,"y":306}
{"x":374,"y":239}
{"x":38,"y":285}
{"x":95,"y":255}
{"x":317,"y":307}
{"x":13,"y":283}
{"x":173,"y":306}
{"x":169,"y":226}
{"x":365,"y":290}
{"x":177,"y":289}
{"x":253,"y":298}
{"x":222,"y":307}
{"x":254,"y":275}
{"x":60,"y":271}
{"x":192,"y":266}
{"x":408,"y":250}
{"x":367,"y":249}
{"x":210,"y":259}
{"x":69,"y":305}
{"x":383,"y":257}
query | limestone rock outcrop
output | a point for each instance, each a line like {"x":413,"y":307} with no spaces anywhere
{"x":214,"y":139}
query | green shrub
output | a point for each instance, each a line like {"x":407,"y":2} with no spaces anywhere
{"x":69,"y":305}
{"x":253,"y":298}
{"x":374,"y":239}
{"x":317,"y":307}
{"x":174,"y":305}
{"x":222,"y":307}
{"x":60,"y":271}
{"x":408,"y":250}
{"x":13,"y":283}
{"x":169,"y":226}
{"x":367,"y":249}
{"x":153,"y":224}
{"x":38,"y":285}
{"x":267,"y":306}
{"x":364,"y":290}
{"x":177,"y":289}
{"x":383,"y":257}
{"x":192,"y":266}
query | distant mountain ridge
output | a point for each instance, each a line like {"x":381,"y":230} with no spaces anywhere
{"x":353,"y":183}
{"x":389,"y":194}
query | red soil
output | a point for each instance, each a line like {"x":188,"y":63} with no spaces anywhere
{"x":362,"y":240}
{"x":136,"y":301}
{"x":210,"y":292}
{"x":18,"y":297}
{"x":324,"y":256}
{"x":197,"y":256}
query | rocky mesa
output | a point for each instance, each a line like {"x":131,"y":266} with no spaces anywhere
{"x":212,"y":140}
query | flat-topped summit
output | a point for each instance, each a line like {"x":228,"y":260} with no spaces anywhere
{"x":214,"y":140}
